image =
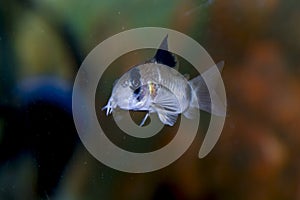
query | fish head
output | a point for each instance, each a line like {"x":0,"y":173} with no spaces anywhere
{"x":129,"y":93}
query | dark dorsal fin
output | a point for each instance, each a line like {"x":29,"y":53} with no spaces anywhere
{"x":163,"y":56}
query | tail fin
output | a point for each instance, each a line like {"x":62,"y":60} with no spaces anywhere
{"x":204,"y":99}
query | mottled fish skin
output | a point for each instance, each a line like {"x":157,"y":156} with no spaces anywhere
{"x":168,"y":79}
{"x":156,"y":87}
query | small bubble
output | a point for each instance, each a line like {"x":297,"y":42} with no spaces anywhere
{"x":119,"y":13}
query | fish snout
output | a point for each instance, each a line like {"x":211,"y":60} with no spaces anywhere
{"x":110,"y":106}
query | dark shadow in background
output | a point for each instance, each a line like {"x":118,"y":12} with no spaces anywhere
{"x":40,"y":121}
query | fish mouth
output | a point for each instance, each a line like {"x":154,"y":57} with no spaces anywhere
{"x":109,"y":107}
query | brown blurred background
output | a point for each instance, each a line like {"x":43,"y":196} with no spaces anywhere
{"x":42,"y":44}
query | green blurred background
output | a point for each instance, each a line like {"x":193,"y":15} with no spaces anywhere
{"x":42,"y":44}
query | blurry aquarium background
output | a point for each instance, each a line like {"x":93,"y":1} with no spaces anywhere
{"x":42,"y":44}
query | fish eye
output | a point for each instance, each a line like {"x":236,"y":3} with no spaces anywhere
{"x":135,"y":83}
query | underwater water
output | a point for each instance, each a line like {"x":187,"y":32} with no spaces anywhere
{"x":42,"y":46}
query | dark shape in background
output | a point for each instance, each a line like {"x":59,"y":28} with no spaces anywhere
{"x":36,"y":112}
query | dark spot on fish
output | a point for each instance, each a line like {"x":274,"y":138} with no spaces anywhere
{"x":163,"y":56}
{"x":139,"y":93}
{"x":135,"y":78}
{"x":139,"y":97}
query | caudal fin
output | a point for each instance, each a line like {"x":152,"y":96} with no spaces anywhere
{"x":204,"y":99}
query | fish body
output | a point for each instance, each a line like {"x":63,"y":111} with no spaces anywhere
{"x":156,"y":87}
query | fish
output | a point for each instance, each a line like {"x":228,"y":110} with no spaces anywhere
{"x":155,"y":86}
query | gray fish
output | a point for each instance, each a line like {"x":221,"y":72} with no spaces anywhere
{"x":156,"y":87}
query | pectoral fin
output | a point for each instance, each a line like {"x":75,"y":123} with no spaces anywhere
{"x":167,"y":107}
{"x":144,"y":119}
{"x":166,"y":100}
{"x":167,"y":118}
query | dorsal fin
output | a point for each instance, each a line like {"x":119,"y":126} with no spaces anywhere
{"x":163,"y":56}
